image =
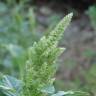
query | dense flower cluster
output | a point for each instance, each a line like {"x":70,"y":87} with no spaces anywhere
{"x":40,"y":66}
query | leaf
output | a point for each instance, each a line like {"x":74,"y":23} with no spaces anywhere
{"x":4,"y":87}
{"x":62,"y":93}
{"x":10,"y":86}
{"x":48,"y":89}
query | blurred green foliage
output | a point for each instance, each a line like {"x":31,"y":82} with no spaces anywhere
{"x":18,"y":30}
{"x":92,"y":15}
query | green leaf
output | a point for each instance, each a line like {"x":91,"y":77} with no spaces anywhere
{"x":10,"y":86}
{"x":48,"y":89}
{"x":4,"y":88}
{"x":62,"y":93}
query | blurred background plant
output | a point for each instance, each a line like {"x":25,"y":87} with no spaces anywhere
{"x":92,"y":15}
{"x":18,"y":30}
